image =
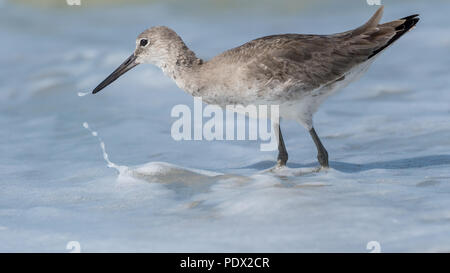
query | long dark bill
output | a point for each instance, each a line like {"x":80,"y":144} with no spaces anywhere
{"x":122,"y":69}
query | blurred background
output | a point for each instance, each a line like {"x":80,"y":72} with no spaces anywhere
{"x":388,"y":135}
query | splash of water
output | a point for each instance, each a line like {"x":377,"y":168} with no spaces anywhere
{"x":82,"y":94}
{"x":110,"y":164}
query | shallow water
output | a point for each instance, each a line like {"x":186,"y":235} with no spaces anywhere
{"x":388,"y":136}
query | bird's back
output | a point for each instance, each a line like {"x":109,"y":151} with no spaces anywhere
{"x":300,"y":63}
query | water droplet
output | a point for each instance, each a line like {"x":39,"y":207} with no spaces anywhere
{"x":120,"y":169}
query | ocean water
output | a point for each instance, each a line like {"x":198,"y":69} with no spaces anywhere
{"x":388,"y":136}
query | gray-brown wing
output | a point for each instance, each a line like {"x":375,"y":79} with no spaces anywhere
{"x":308,"y":62}
{"x":304,"y":61}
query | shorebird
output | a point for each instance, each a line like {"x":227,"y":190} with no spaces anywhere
{"x":295,"y":71}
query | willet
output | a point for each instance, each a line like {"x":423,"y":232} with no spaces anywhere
{"x":295,"y":71}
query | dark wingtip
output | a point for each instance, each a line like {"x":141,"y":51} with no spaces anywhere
{"x":410,"y":22}
{"x":410,"y":17}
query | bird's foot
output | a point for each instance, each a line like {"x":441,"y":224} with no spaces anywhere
{"x":322,"y":157}
{"x":282,"y":159}
{"x":280,"y":164}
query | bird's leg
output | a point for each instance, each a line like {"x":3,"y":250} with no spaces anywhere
{"x":282,"y":153}
{"x":322,"y":154}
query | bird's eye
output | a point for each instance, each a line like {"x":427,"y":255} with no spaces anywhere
{"x":143,"y":42}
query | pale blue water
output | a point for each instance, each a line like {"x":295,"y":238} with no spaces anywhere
{"x":388,"y":137}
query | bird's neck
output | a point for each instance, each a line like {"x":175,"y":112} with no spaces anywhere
{"x":183,"y":67}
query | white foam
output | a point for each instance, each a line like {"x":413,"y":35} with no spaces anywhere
{"x":152,"y":171}
{"x":286,"y":171}
{"x":82,"y":94}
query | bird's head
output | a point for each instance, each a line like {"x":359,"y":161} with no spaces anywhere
{"x":159,"y":45}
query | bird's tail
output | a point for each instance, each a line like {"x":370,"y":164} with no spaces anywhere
{"x":373,"y":37}
{"x":394,"y":29}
